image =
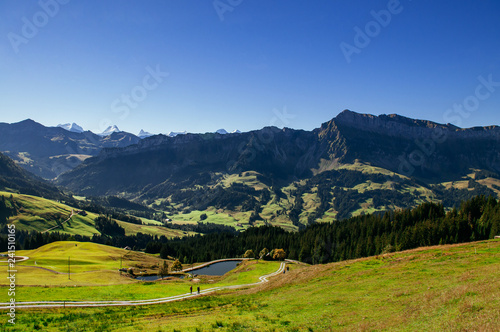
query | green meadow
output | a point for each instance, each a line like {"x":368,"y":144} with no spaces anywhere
{"x":441,"y":288}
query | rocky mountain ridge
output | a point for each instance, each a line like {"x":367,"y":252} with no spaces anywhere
{"x":400,"y":126}
{"x":425,"y":150}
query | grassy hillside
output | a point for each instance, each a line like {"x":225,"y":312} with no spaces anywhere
{"x":335,"y":192}
{"x":90,"y":264}
{"x":445,"y":288}
{"x":39,"y":214}
{"x":95,"y":275}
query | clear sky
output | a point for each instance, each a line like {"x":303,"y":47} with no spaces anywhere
{"x":165,"y":65}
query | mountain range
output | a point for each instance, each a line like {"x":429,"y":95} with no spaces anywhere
{"x":352,"y":164}
{"x":349,"y":165}
{"x":49,"y":151}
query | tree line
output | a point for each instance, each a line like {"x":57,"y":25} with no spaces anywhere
{"x":361,"y":236}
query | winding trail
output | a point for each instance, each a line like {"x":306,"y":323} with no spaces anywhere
{"x":59,"y":225}
{"x":68,"y":304}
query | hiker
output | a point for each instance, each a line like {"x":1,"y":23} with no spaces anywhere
{"x":191,"y":289}
{"x":198,"y":289}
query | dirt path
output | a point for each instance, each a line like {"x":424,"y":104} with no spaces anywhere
{"x":67,"y":304}
{"x":59,"y":225}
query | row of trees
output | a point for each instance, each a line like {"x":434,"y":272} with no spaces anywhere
{"x":427,"y":224}
{"x":265,"y":254}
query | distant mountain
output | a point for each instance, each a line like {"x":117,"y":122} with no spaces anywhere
{"x":110,"y":130}
{"x":71,"y":127}
{"x":224,"y":132}
{"x":352,"y":163}
{"x":50,"y":151}
{"x":173,"y":134}
{"x":13,"y":177}
{"x":144,"y":134}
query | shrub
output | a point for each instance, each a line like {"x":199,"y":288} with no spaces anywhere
{"x":249,"y":254}
{"x":279,"y":254}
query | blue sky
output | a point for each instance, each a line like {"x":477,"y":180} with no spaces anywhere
{"x":244,"y":64}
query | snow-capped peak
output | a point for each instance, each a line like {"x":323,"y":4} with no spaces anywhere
{"x":236,"y":131}
{"x":71,"y":127}
{"x":221,"y":131}
{"x":144,"y":134}
{"x":173,"y":134}
{"x":110,"y":130}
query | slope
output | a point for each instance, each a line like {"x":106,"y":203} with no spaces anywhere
{"x":452,"y":288}
{"x":33,"y":213}
{"x":15,"y":178}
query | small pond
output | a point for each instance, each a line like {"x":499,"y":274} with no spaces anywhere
{"x":216,"y":269}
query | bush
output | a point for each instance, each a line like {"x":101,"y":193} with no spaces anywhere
{"x":176,"y":265}
{"x":279,"y":254}
{"x":264,"y":254}
{"x":249,"y":254}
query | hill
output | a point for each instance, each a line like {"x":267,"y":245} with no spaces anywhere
{"x":90,"y":264}
{"x":353,"y":164}
{"x":443,"y":288}
{"x":33,"y":213}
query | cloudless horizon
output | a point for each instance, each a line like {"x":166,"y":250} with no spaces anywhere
{"x":199,"y":66}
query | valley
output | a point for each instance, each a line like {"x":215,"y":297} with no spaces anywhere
{"x":363,"y":237}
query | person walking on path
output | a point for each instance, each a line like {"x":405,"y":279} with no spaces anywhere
{"x":191,"y":289}
{"x":198,"y":289}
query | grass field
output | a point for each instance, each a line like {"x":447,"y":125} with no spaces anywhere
{"x":214,"y":217}
{"x":95,"y":275}
{"x":131,"y":229}
{"x":442,"y":288}
{"x":89,"y":263}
